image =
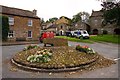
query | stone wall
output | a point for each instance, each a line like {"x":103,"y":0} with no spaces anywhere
{"x":96,"y":20}
{"x":21,"y":27}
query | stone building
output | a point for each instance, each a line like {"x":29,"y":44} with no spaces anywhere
{"x":81,"y":26}
{"x":96,"y":20}
{"x":59,"y":27}
{"x":62,"y":25}
{"x":23,"y":24}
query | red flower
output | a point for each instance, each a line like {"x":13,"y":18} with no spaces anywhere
{"x":85,"y":47}
{"x":77,"y":45}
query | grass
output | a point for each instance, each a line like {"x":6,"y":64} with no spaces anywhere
{"x":75,"y":39}
{"x":99,"y":38}
{"x":106,"y":38}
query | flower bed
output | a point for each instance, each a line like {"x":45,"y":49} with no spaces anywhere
{"x":53,"y":57}
{"x":40,"y":56}
{"x":60,"y":57}
{"x":85,"y":49}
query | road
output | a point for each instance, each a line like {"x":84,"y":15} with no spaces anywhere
{"x":108,"y":50}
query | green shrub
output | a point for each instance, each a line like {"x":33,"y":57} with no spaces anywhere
{"x":30,"y":47}
{"x":85,"y":49}
{"x":5,"y":27}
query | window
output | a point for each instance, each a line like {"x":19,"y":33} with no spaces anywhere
{"x":29,"y":22}
{"x":29,"y":34}
{"x":10,"y":34}
{"x":11,"y":21}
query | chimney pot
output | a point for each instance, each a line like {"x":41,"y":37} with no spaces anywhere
{"x":35,"y":12}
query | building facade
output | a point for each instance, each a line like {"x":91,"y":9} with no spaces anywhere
{"x":96,"y":21}
{"x":23,"y":24}
{"x":59,"y":27}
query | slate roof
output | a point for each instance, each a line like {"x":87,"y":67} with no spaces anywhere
{"x":17,"y":12}
{"x":52,"y":26}
{"x":96,"y":14}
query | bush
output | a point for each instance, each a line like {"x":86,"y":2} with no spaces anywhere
{"x":5,"y":27}
{"x":30,"y":47}
{"x":85,"y":49}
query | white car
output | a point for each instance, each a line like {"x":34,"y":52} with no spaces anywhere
{"x":81,"y":34}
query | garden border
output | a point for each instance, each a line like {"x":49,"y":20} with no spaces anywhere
{"x":85,"y":65}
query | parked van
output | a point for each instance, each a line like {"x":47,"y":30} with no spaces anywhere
{"x":46,"y":35}
{"x":81,"y":34}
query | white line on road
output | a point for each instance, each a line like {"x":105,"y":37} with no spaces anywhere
{"x":116,"y":59}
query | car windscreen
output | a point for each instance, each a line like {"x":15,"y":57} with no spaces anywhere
{"x":78,"y":33}
{"x":84,"y":32}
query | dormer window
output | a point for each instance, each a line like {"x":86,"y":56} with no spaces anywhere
{"x":11,"y":21}
{"x":29,"y":22}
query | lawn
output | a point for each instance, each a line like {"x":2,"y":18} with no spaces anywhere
{"x":75,"y":39}
{"x":99,"y":38}
{"x":106,"y":38}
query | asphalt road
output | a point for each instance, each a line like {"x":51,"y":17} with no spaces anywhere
{"x":108,"y":50}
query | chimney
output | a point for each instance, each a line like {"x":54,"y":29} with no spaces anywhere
{"x":35,"y":12}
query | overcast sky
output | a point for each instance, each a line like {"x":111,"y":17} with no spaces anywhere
{"x":54,"y":8}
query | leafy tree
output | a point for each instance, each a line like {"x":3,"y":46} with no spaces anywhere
{"x":42,"y":20}
{"x":81,"y":16}
{"x":53,"y":19}
{"x":76,"y":18}
{"x":85,"y":16}
{"x":111,"y":12}
{"x":5,"y":27}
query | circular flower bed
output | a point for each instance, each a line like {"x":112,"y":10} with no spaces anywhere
{"x":54,"y":57}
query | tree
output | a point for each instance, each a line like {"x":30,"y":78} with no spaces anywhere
{"x":81,"y":16}
{"x":5,"y":27}
{"x":111,"y":12}
{"x":76,"y":18}
{"x":85,"y":16}
{"x":42,"y":21}
{"x":53,"y":19}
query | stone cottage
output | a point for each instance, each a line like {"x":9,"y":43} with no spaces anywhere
{"x":81,"y":26}
{"x":62,"y":25}
{"x":59,"y":27}
{"x":24,"y":25}
{"x":96,"y":20}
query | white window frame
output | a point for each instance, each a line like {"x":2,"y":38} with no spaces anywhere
{"x":11,"y":20}
{"x":12,"y":34}
{"x":31,"y":34}
{"x":30,"y":22}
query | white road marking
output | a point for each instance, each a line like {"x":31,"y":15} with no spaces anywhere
{"x":116,"y":59}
